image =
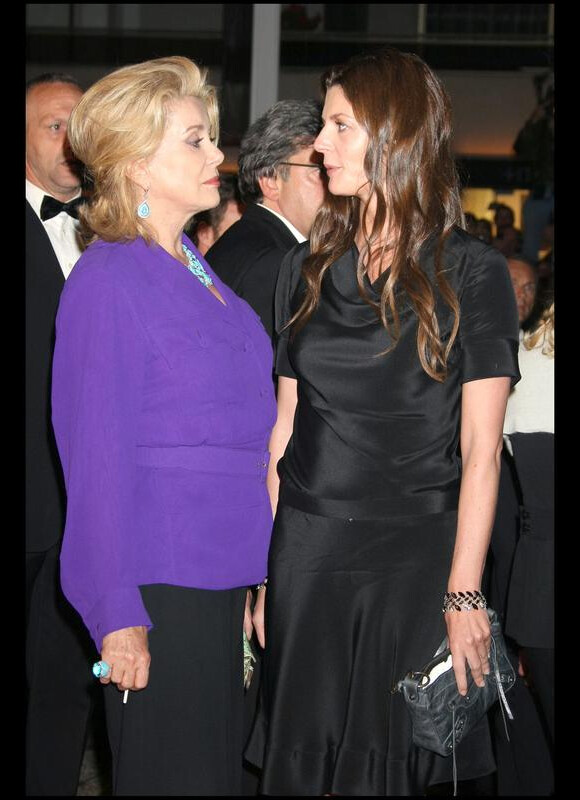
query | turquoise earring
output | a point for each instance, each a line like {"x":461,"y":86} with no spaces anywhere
{"x":143,"y":209}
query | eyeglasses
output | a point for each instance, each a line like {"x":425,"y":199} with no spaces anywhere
{"x":319,"y":167}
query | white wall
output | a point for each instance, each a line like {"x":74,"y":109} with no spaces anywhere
{"x":489,"y":107}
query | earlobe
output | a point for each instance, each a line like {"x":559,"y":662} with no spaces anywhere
{"x":269,"y":187}
{"x":138,"y":173}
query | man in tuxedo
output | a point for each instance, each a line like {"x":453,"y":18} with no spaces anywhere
{"x":281,"y":179}
{"x":58,"y":649}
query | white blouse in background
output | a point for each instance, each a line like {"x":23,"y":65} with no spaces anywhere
{"x":530,"y":407}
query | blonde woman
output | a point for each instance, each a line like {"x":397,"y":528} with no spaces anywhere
{"x":162,"y":408}
{"x":529,"y":432}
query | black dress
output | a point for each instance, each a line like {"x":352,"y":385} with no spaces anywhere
{"x":365,"y":528}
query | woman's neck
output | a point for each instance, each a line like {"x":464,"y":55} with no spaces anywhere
{"x":169,"y":237}
{"x":377,"y":261}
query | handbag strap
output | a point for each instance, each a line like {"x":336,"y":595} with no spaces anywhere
{"x":503,"y":703}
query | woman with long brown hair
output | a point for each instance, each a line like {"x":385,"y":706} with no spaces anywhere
{"x":398,"y":343}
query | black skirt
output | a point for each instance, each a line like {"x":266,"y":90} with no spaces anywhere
{"x":351,"y":607}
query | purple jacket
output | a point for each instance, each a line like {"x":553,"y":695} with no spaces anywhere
{"x":162,"y":406}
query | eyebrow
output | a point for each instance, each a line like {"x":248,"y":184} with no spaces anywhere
{"x":194,"y":128}
{"x":58,"y":117}
{"x":339,"y":114}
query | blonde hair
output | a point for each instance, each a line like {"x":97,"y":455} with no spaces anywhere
{"x":542,"y":334}
{"x":121,"y":119}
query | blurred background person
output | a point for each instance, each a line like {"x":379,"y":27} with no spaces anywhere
{"x":206,"y":227}
{"x":507,"y":238}
{"x":508,"y":241}
{"x":162,"y":405}
{"x":483,"y":230}
{"x":503,"y":217}
{"x":535,"y":143}
{"x":59,"y":700}
{"x":529,"y":428}
{"x":524,"y":278}
{"x":281,"y":180}
{"x":523,"y":763}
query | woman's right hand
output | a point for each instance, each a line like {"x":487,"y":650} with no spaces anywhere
{"x":127,"y":653}
{"x":258,"y":616}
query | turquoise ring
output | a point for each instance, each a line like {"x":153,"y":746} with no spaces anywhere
{"x":101,"y":669}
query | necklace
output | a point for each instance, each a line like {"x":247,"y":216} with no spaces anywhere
{"x":196,"y":267}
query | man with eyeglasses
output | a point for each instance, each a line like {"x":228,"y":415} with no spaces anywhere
{"x":282,"y":180}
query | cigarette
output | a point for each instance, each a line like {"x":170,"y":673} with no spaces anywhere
{"x":125,"y":695}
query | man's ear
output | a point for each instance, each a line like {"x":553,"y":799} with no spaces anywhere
{"x":269,"y":187}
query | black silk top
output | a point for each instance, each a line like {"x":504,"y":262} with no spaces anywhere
{"x":374,"y":435}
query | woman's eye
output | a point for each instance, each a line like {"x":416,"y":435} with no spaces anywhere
{"x":195,"y":143}
{"x":55,"y":126}
{"x":341,"y":126}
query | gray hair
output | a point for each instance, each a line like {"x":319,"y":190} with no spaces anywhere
{"x":288,"y":126}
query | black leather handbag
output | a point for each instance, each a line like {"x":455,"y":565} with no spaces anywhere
{"x":442,"y":717}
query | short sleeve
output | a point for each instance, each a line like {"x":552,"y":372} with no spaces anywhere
{"x":285,"y":306}
{"x":488,"y":327}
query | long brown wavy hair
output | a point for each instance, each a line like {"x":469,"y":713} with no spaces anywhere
{"x":406,"y":113}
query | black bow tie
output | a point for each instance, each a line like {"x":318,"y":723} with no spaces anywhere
{"x":51,"y":207}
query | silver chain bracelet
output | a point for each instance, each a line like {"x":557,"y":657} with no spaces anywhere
{"x":463,"y":601}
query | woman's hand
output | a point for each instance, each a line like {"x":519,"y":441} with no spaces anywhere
{"x":127,"y":653}
{"x":258,"y":617}
{"x":469,"y":640}
{"x":248,"y":626}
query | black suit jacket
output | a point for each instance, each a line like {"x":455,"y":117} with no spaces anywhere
{"x":248,"y":256}
{"x":44,"y":484}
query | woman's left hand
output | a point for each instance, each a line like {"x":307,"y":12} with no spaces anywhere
{"x":469,"y":640}
{"x":248,"y":626}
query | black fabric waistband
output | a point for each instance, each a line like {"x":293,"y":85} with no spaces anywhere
{"x":377,"y":508}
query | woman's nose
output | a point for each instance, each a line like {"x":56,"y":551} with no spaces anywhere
{"x":320,"y":143}
{"x":218,"y":156}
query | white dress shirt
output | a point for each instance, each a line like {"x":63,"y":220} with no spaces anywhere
{"x":63,"y":230}
{"x":299,"y":237}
